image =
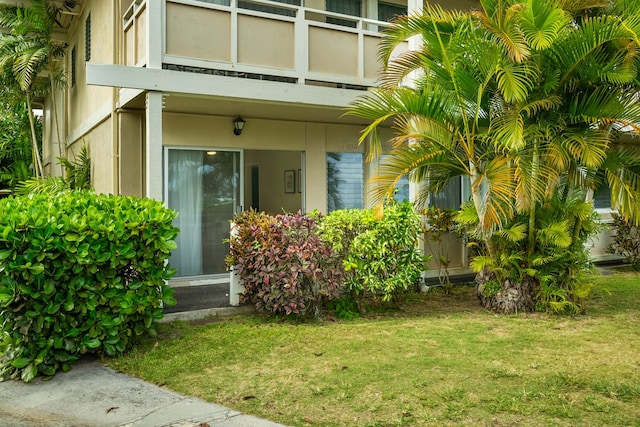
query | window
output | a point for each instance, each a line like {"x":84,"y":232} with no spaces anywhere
{"x":346,"y":7}
{"x":270,"y":9}
{"x":220,"y":2}
{"x":345,"y":181}
{"x":73,"y":67}
{"x":388,"y":11}
{"x":87,"y":39}
{"x":454,"y":193}
{"x":602,"y":198}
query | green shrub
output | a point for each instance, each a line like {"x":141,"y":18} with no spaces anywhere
{"x":380,"y":256}
{"x":558,"y":264}
{"x":282,"y":263}
{"x":79,"y":273}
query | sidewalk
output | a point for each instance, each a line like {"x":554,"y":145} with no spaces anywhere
{"x":93,"y":395}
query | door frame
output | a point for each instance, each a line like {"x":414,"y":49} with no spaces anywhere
{"x":204,"y":279}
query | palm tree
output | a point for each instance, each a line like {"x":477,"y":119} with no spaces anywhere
{"x":15,"y":140}
{"x":26,"y":51}
{"x":525,"y":98}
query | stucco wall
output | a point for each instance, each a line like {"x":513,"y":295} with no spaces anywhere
{"x":102,"y":157}
{"x":85,"y":102}
{"x":315,"y":140}
{"x":273,"y":164}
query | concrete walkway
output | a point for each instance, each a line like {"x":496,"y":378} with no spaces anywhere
{"x":93,"y":395}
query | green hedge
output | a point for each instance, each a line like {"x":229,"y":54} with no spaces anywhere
{"x":79,"y":273}
{"x":380,"y":256}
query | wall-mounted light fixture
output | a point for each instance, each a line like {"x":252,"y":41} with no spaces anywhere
{"x":238,"y":125}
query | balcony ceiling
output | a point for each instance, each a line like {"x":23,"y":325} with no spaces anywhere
{"x":189,"y":104}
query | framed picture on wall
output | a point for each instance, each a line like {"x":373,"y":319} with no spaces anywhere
{"x":290,"y":181}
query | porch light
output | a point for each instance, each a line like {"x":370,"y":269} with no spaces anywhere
{"x":238,"y":125}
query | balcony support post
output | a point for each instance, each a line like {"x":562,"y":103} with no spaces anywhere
{"x":153,"y":146}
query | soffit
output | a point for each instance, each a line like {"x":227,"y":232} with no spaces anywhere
{"x":189,"y":104}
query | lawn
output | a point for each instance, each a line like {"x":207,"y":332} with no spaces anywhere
{"x":439,"y":361}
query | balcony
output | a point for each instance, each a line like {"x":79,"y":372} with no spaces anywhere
{"x":258,"y":39}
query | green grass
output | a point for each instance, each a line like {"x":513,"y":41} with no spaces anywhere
{"x":440,"y":361}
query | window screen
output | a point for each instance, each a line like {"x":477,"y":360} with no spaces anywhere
{"x":270,"y":9}
{"x":346,"y":7}
{"x":602,"y":198}
{"x":450,"y":197}
{"x":73,"y":67}
{"x":87,"y":39}
{"x":388,"y":11}
{"x":345,"y":181}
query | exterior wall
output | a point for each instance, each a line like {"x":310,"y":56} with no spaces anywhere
{"x":99,"y":143}
{"x":273,"y":164}
{"x":131,"y":152}
{"x":83,"y":100}
{"x":315,"y":140}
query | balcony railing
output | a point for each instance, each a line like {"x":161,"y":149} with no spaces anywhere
{"x":260,"y":39}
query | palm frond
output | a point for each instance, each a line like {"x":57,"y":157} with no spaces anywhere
{"x":515,"y":233}
{"x":542,"y":22}
{"x":556,"y":234}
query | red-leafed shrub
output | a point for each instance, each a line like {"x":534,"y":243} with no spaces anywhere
{"x":282,"y":263}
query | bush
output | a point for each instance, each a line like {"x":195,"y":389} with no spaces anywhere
{"x":550,"y":276}
{"x":79,"y":273}
{"x":380,"y":256}
{"x":625,"y":241}
{"x":282,"y":263}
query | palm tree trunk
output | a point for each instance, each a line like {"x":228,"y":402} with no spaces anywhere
{"x":531,"y":246}
{"x":476,"y":195}
{"x":54,"y":109}
{"x":37,"y":162}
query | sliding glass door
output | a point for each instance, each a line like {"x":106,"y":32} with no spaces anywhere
{"x":204,"y":187}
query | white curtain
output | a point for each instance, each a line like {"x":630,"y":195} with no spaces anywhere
{"x":185,"y":197}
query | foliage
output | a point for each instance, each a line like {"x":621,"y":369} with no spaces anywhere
{"x":561,"y":261}
{"x":625,"y":240}
{"x":77,"y":173}
{"x":346,"y":308}
{"x":282,"y":263}
{"x":28,"y":52}
{"x":15,"y":142}
{"x":439,"y":224}
{"x":526,"y":99}
{"x":380,"y":256}
{"x":79,"y":273}
{"x":77,"y":176}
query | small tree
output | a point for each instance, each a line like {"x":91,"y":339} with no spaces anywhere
{"x":15,"y":141}
{"x":26,"y":51}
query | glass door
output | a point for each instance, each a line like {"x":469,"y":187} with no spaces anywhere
{"x":204,"y":187}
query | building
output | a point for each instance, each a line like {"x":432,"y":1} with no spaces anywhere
{"x":215,"y":106}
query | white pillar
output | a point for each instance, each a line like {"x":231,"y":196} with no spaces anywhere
{"x":235,"y":289}
{"x":153,"y":146}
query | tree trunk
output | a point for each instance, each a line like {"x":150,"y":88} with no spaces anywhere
{"x":510,"y":297}
{"x":54,"y":109}
{"x":37,"y":162}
